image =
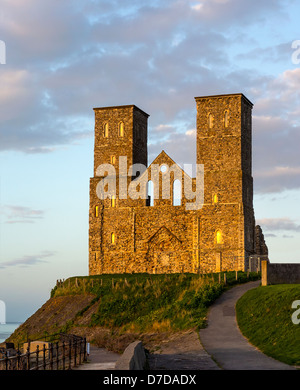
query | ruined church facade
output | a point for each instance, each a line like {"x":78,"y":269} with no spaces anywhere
{"x":165,"y":234}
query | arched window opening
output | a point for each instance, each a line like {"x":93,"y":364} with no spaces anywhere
{"x":113,"y":159}
{"x":215,"y":199}
{"x":113,"y":201}
{"x":97,"y":211}
{"x":177,"y":193}
{"x":218,"y":237}
{"x":210,"y":121}
{"x":226,"y":118}
{"x":105,"y":130}
{"x":113,"y":238}
{"x":150,"y":193}
{"x":121,"y":129}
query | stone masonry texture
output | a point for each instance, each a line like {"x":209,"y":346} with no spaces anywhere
{"x":135,"y":234}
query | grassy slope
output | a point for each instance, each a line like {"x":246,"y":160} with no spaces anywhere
{"x":264,"y":317}
{"x":114,"y":306}
{"x":144,"y":303}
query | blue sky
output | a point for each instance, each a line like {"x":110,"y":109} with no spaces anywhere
{"x":65,"y":57}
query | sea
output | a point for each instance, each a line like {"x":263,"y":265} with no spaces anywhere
{"x":7,"y":329}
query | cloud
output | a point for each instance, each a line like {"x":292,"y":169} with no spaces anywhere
{"x":27,"y":261}
{"x":21,"y":214}
{"x":226,"y":12}
{"x":279,"y":224}
{"x":270,"y":235}
{"x":276,"y":133}
{"x":64,"y":60}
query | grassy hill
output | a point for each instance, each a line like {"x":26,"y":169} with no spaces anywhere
{"x":264,"y":317}
{"x":112,"y":310}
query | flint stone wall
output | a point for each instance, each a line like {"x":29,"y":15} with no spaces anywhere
{"x":280,"y":273}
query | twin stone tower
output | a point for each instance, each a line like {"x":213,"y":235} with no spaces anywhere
{"x":158,"y":219}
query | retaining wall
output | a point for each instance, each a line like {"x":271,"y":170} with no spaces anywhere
{"x":279,"y":273}
{"x":133,"y":358}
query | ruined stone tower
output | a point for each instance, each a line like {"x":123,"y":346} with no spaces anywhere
{"x":134,"y":234}
{"x":224,"y":146}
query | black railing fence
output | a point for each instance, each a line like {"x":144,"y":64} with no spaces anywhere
{"x":64,"y":352}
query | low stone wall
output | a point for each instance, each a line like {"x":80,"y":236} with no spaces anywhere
{"x":133,"y":358}
{"x":279,"y":273}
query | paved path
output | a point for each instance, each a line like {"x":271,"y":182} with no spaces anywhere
{"x":224,"y":342}
{"x":222,"y":345}
{"x":182,"y":352}
{"x":99,"y":359}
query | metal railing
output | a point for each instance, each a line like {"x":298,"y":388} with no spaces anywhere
{"x":66,"y":353}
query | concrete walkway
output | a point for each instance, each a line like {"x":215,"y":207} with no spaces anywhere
{"x":99,"y":359}
{"x":224,"y":342}
{"x":224,"y":345}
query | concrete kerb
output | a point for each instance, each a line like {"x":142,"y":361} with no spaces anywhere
{"x":133,"y":358}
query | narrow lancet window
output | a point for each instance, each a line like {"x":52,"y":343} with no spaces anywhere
{"x":219,"y":237}
{"x":177,"y":193}
{"x":121,"y":129}
{"x":113,"y":238}
{"x":105,"y":130}
{"x":226,"y":118}
{"x":113,"y":201}
{"x":210,"y":121}
{"x":150,"y":193}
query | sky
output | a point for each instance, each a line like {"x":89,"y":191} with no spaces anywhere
{"x":63,"y":58}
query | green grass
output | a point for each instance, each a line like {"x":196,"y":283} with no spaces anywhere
{"x":264,"y":317}
{"x":145,"y":303}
